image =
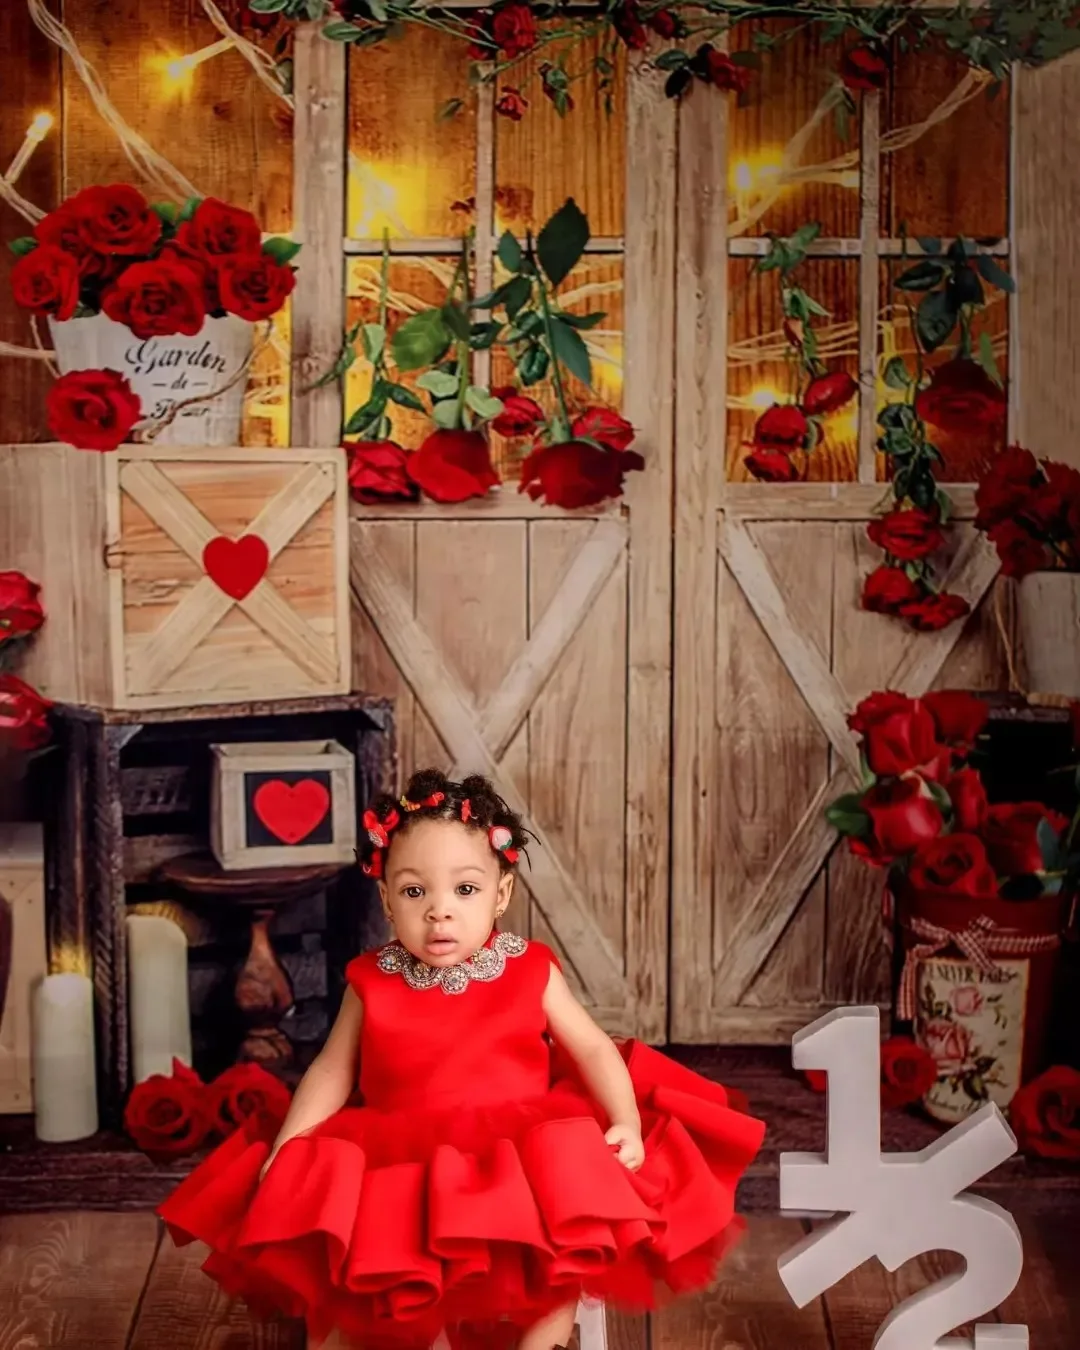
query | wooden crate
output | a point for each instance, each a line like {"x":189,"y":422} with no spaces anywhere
{"x":282,"y":804}
{"x":22,"y":957}
{"x":179,"y":576}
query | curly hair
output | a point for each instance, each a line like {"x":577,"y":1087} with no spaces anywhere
{"x":430,"y":795}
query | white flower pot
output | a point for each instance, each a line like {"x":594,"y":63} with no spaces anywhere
{"x":1048,"y":605}
{"x":164,"y":371}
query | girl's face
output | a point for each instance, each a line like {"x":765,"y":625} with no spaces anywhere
{"x":442,"y":890}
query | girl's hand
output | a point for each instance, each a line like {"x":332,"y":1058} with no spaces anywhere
{"x":627,"y":1140}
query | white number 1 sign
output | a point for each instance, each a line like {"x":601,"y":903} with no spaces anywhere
{"x":895,"y":1206}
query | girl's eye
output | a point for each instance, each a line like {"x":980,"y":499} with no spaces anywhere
{"x":466,"y":888}
{"x":414,"y":892}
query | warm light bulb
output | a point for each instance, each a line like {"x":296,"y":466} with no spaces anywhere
{"x":764,"y":396}
{"x":177,"y":71}
{"x":39,"y":128}
{"x":744,"y":177}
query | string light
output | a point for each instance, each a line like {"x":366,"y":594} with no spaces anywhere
{"x":178,"y":71}
{"x":763,"y":396}
{"x":36,"y":132}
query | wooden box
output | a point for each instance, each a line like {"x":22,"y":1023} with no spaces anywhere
{"x":22,"y":957}
{"x":282,"y":804}
{"x":175,"y":576}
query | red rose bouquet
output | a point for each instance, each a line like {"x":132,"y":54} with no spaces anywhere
{"x":1030,"y":511}
{"x":159,"y":269}
{"x":24,"y":724}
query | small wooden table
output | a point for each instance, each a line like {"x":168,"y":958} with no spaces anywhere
{"x":263,"y":992}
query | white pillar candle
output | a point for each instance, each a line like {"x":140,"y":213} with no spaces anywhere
{"x":65,"y":1084}
{"x":157,"y":995}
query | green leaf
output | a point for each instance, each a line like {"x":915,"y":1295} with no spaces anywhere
{"x":940,"y":797}
{"x":509,"y":253}
{"x":445,"y":414}
{"x":378,"y":10}
{"x":533,"y":365}
{"x":987,"y":359}
{"x":926,"y":274}
{"x":935,"y":319}
{"x":805,"y":235}
{"x":405,"y":398}
{"x":672,"y":60}
{"x":439,"y":383}
{"x":527,"y":324}
{"x":187,"y":211}
{"x":281,"y":250}
{"x":342,"y":32}
{"x":847,"y":817}
{"x":22,"y":246}
{"x":363,"y":418}
{"x":966,"y":288}
{"x":897,"y":416}
{"x":267,"y":6}
{"x":421,"y":340}
{"x":896,"y":373}
{"x":944,"y":506}
{"x":561,"y":242}
{"x":484,"y":335}
{"x":518,"y":294}
{"x":995,"y":275}
{"x":491,"y":299}
{"x":929,"y":245}
{"x":584,"y":321}
{"x":450,"y":109}
{"x":571,"y":351}
{"x":483,"y":404}
{"x":167,"y":212}
{"x":373,"y":340}
{"x":1049,"y":846}
{"x":456,"y":319}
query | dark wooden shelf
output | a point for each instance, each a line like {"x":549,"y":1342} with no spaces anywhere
{"x":107,"y":1172}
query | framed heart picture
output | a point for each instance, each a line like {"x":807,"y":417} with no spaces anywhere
{"x":282,"y":804}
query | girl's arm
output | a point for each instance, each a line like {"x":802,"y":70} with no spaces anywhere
{"x":329,"y":1082}
{"x":600,"y":1065}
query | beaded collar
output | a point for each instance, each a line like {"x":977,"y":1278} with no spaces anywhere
{"x":486,"y":964}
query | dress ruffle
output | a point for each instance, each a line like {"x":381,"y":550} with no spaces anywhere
{"x":388,"y":1227}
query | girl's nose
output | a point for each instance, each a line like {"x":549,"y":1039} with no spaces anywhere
{"x":439,"y":909}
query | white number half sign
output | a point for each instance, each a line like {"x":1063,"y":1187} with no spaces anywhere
{"x":895,"y":1206}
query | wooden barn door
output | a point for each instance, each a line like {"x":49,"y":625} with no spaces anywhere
{"x":520,"y":641}
{"x":771,"y":923}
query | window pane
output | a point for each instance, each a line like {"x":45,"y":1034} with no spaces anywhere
{"x":406,"y":168}
{"x":266,"y":403}
{"x":788,"y":97}
{"x":965,"y":453}
{"x":595,"y":284}
{"x":760,"y":370}
{"x":545,"y":158}
{"x":951,"y":178}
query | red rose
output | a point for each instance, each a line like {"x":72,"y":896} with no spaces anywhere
{"x":157,"y":299}
{"x":520,"y":414}
{"x":935,"y":612}
{"x":887,"y":588}
{"x":664,"y":23}
{"x":46,"y":282}
{"x":1045,"y":1114}
{"x":1006,"y":486}
{"x":253,"y":286}
{"x":60,"y":229}
{"x":218,"y":230}
{"x":379,"y":472}
{"x":961,"y":398}
{"x":201,"y":267}
{"x":452,"y":466}
{"x":959,"y":717}
{"x":247,"y":1093}
{"x":968,"y":797}
{"x":948,"y":1043}
{"x":722,"y":71}
{"x":169,"y":1117}
{"x":514,"y":29}
{"x":966,"y":1000}
{"x":116,"y":219}
{"x":92,"y":409}
{"x":1052,"y":501}
{"x":1011,"y":835}
{"x":574,"y":474}
{"x":876,"y":707}
{"x":900,"y":741}
{"x":771,"y":466}
{"x":955,"y":864}
{"x":903,"y":816}
{"x":626,"y":21}
{"x":24,"y":723}
{"x":20,"y":608}
{"x":1019,"y":551}
{"x":907,"y":535}
{"x":512,"y":104}
{"x":783,"y":426}
{"x":826,"y":393}
{"x":604,"y":427}
{"x":554,"y":89}
{"x":863,"y":68}
{"x":908,"y":1072}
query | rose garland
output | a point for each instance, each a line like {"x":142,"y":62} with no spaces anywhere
{"x":579,"y":457}
{"x":24,"y":724}
{"x":990,"y":37}
{"x":962,"y":394}
{"x":1030,"y":511}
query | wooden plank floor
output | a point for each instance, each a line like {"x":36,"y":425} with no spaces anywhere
{"x":110,"y":1281}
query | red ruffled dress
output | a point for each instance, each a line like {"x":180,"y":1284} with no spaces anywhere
{"x":472,"y":1189}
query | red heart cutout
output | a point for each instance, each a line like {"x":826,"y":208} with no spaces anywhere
{"x":290,"y":811}
{"x":236,"y":565}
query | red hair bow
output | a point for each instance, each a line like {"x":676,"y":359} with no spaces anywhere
{"x":434,"y":800}
{"x":501,"y":840}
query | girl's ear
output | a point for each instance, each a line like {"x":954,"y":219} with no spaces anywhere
{"x":384,"y":897}
{"x":506,"y":891}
